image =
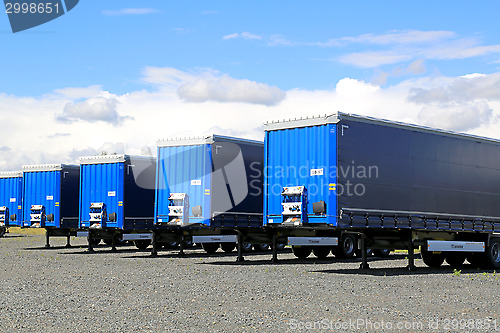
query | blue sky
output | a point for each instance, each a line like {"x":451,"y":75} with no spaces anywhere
{"x":99,"y":43}
{"x":117,"y":75}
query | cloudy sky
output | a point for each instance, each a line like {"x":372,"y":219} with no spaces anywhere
{"x":117,"y":75}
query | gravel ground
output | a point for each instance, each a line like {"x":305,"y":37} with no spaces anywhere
{"x":68,"y":290}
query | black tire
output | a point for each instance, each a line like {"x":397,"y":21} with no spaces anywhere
{"x":321,"y":252}
{"x":430,"y":258}
{"x":455,"y":259}
{"x":142,"y":244}
{"x":188,"y":244}
{"x":228,"y":247}
{"x":477,"y":260}
{"x":2,"y":231}
{"x":261,"y":247}
{"x":170,"y":245}
{"x":346,"y":248}
{"x":492,"y":254}
{"x":279,"y":246}
{"x":95,"y":241}
{"x":247,"y":247}
{"x":369,"y":252}
{"x":210,"y":247}
{"x":301,"y":252}
{"x":108,"y":242}
{"x":382,"y":253}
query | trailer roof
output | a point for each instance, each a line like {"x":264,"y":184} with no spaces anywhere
{"x":337,"y":117}
{"x":102,"y":159}
{"x":11,"y":174}
{"x":47,"y":167}
{"x":209,"y":139}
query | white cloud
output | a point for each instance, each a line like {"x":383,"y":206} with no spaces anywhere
{"x":79,"y":92}
{"x":131,"y":11}
{"x":208,"y":85}
{"x":98,"y":108}
{"x":244,"y":35}
{"x":227,"y":89}
{"x":32,"y":135}
{"x":402,"y":46}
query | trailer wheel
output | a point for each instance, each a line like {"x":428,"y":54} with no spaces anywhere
{"x":142,"y":244}
{"x":2,"y":231}
{"x":247,"y":247}
{"x":261,"y":247}
{"x":171,"y":245}
{"x":431,"y":259}
{"x":455,"y":259}
{"x":346,"y":248}
{"x":493,"y":254}
{"x":228,"y":247}
{"x":382,"y":253}
{"x":301,"y":252}
{"x":369,"y":252}
{"x":279,"y":246}
{"x":108,"y":242}
{"x":95,"y":241}
{"x":321,"y":252}
{"x":477,"y":260}
{"x":210,"y":247}
{"x":188,"y":244}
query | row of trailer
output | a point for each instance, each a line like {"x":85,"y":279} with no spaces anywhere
{"x":336,"y":184}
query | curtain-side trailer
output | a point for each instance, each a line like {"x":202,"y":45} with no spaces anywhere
{"x":342,"y":180}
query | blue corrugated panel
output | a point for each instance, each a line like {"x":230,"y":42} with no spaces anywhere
{"x":184,"y":169}
{"x":302,"y":156}
{"x":11,"y":196}
{"x":42,"y":188}
{"x":56,"y":188}
{"x":103,"y":182}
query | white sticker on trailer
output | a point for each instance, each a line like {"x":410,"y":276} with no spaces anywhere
{"x":215,"y":239}
{"x":317,"y":172}
{"x":455,"y":246}
{"x":313,"y":241}
{"x":12,"y":199}
{"x":126,"y":237}
{"x":49,"y":197}
{"x":111,"y":193}
{"x":196,"y":182}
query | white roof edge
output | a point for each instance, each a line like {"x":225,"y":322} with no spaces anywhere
{"x":303,"y":122}
{"x":11,"y":174}
{"x":201,"y":140}
{"x":335,"y":118}
{"x":102,"y":159}
{"x":120,"y":158}
{"x":45,"y":167}
{"x":209,"y":139}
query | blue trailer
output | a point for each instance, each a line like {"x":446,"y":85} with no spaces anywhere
{"x":342,"y":181}
{"x":117,"y":198}
{"x":11,"y":199}
{"x":206,"y":188}
{"x":50,"y":199}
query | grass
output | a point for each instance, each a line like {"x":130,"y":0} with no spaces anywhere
{"x":26,"y":231}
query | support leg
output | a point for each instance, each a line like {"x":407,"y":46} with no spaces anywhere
{"x":364,"y":258}
{"x":89,"y":240}
{"x":47,"y":238}
{"x":275,"y":249}
{"x":181,"y":247}
{"x":113,"y":243}
{"x":68,"y":240}
{"x":240,"y":248}
{"x":411,"y":256}
{"x":154,"y":250}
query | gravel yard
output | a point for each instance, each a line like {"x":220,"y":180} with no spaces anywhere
{"x":68,"y":290}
